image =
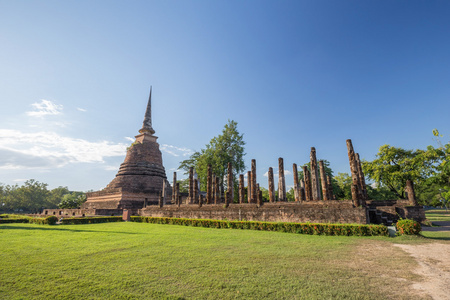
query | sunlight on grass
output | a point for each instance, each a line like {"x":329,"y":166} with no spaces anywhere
{"x":135,"y":260}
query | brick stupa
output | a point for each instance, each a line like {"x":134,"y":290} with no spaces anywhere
{"x":141,"y":178}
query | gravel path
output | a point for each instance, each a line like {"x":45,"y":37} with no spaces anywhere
{"x":434,"y":266}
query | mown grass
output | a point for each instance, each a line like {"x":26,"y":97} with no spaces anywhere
{"x":150,"y":261}
{"x":437,"y":215}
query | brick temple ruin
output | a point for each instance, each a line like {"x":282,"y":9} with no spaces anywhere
{"x":141,"y":188}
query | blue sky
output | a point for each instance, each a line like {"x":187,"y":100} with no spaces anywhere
{"x":75,"y":78}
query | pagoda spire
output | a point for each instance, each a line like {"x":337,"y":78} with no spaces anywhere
{"x":147,"y":125}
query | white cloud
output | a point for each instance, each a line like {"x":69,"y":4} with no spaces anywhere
{"x":176,"y":151}
{"x":81,"y":109}
{"x":129,"y":139}
{"x":45,"y":107}
{"x":111,"y":168}
{"x":275,"y":173}
{"x":43,"y":150}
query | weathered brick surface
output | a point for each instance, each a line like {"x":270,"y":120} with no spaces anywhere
{"x":319,"y":211}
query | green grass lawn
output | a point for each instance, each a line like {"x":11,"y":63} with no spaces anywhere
{"x":150,"y":261}
{"x":437,"y":215}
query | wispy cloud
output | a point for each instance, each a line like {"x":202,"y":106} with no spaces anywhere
{"x":176,"y":151}
{"x":81,"y":109}
{"x":22,"y":150}
{"x":129,"y":139}
{"x":19,"y":180}
{"x":44,"y":108}
{"x":111,"y":168}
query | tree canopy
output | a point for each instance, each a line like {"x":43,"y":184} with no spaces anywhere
{"x":226,"y":147}
{"x":428,"y":169}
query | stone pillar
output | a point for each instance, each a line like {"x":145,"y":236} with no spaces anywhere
{"x":323,"y":180}
{"x":356,"y":189}
{"x":200,"y":201}
{"x":216,"y":192}
{"x":161,"y":200}
{"x":195,"y":194}
{"x":230,"y":183}
{"x":296,"y":184}
{"x":145,"y":202}
{"x":330,"y":188}
{"x":271,"y":186}
{"x":209,"y":185}
{"x":260,"y":199}
{"x":164,"y":191}
{"x":361,"y":177}
{"x":126,"y":215}
{"x":254,"y":191}
{"x":191,"y":185}
{"x":410,"y":193}
{"x":241,"y":189}
{"x":281,"y":181}
{"x":315,"y":189}
{"x":249,"y":187}
{"x":213,"y":188}
{"x":174,"y":188}
{"x":302,"y":189}
{"x":177,"y":194}
{"x":306,"y":175}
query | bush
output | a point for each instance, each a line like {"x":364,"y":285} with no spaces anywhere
{"x":90,"y":220}
{"x":51,"y":220}
{"x":408,"y":227}
{"x":301,"y":228}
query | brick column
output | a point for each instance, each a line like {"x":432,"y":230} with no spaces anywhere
{"x":281,"y":181}
{"x":241,"y":189}
{"x":323,"y":180}
{"x":306,"y":175}
{"x":254,"y":191}
{"x":315,"y":189}
{"x":271,"y":186}
{"x":209,"y":185}
{"x":191,"y":185}
{"x":296,"y":184}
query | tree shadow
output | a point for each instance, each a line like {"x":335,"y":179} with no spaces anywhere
{"x":58,"y":228}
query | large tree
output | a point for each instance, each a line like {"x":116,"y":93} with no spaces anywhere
{"x":394,"y":166}
{"x":226,"y":147}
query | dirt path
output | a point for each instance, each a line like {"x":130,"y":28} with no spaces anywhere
{"x":434,"y":266}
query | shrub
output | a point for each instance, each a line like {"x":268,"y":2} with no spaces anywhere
{"x":50,"y":220}
{"x":90,"y":220}
{"x":408,"y":227}
{"x":301,"y":228}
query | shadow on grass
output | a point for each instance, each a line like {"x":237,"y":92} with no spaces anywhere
{"x":58,"y":228}
{"x":442,"y":238}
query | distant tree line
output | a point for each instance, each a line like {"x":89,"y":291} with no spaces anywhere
{"x":33,"y":195}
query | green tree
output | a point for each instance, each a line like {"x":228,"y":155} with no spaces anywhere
{"x":184,"y":185}
{"x":72,"y":200}
{"x":343,"y":186}
{"x":226,"y":147}
{"x":30,"y":197}
{"x":56,"y":196}
{"x":290,"y":195}
{"x":394,"y":166}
